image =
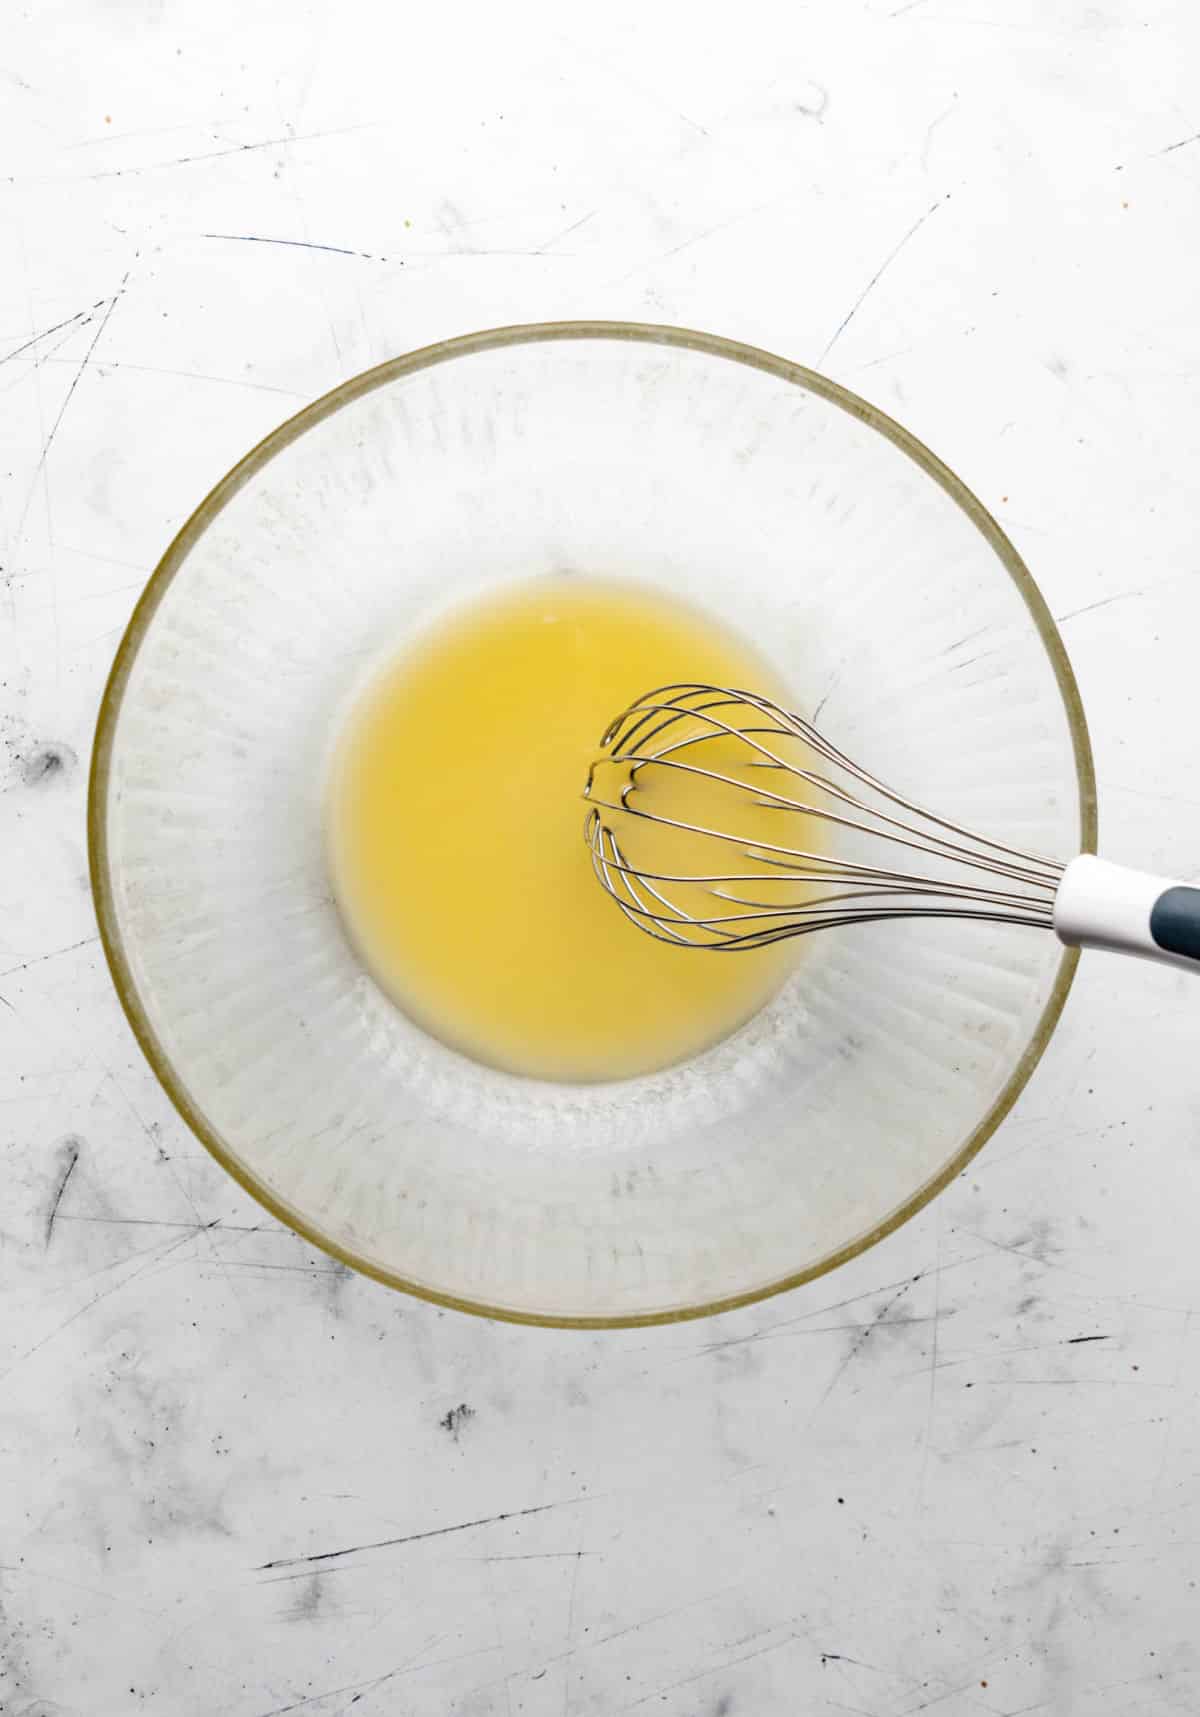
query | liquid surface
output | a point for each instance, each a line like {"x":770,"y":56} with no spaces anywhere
{"x":456,"y":835}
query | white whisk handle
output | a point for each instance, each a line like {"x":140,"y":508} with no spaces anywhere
{"x":1104,"y":905}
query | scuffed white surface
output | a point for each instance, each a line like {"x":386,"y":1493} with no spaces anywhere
{"x":234,"y":1479}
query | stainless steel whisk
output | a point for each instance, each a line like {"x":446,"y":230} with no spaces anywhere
{"x":744,"y":743}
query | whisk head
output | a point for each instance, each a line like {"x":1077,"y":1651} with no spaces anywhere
{"x":707,"y":761}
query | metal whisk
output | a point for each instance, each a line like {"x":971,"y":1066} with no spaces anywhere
{"x":747,"y":750}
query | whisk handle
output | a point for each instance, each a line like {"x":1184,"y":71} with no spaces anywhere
{"x":1105,"y":905}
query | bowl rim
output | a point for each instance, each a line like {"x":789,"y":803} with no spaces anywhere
{"x":443,"y":351}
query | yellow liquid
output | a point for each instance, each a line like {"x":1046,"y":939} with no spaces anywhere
{"x":456,"y":835}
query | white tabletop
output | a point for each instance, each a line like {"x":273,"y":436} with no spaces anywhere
{"x":960,"y":1475}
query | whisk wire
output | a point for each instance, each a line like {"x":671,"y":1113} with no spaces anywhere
{"x":855,"y":891}
{"x":784,"y":724}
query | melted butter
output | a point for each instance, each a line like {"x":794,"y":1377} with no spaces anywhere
{"x":456,"y":835}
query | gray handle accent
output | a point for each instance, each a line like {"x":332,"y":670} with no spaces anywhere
{"x":1175,"y":921}
{"x":1104,"y":905}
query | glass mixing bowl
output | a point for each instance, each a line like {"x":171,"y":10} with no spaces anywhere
{"x":880,"y":590}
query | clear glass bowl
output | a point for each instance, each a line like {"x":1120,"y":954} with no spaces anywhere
{"x":882,"y":592}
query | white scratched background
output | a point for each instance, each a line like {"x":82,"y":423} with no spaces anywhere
{"x":961,"y":1475}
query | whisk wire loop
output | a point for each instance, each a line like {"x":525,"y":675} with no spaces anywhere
{"x":658,"y":739}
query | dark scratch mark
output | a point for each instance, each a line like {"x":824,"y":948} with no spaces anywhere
{"x":826,"y":695}
{"x":333,"y":1692}
{"x":107,"y":560}
{"x":980,"y":656}
{"x":108,"y":138}
{"x":80,"y":315}
{"x":967,"y":638}
{"x":901,"y":1283}
{"x":462,"y":252}
{"x":1061,"y":1383}
{"x":157,"y":1255}
{"x":937,"y":1699}
{"x":1074,"y":1340}
{"x":857,"y":1346}
{"x":933,"y":124}
{"x":782,"y":1331}
{"x":293,"y":1269}
{"x":23,"y":1571}
{"x":316,"y":1698}
{"x":49,"y":355}
{"x":1121,"y":596}
{"x":297,"y":244}
{"x":68,"y":1157}
{"x":700,"y":237}
{"x":201,"y":376}
{"x":720,"y":227}
{"x":154,"y":1222}
{"x":566,"y":233}
{"x":1020,"y":1251}
{"x":644,"y":1622}
{"x":1182,"y":144}
{"x":716,"y":1669}
{"x":359,"y":1688}
{"x":541,"y":1556}
{"x":417,"y":1537}
{"x":4,"y":1002}
{"x":878,"y":275}
{"x":41,"y":958}
{"x":886,"y":358}
{"x":62,"y":410}
{"x":234,"y":149}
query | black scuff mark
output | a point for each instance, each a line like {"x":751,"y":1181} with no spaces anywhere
{"x":815,"y":102}
{"x":417,"y":1537}
{"x":216,"y":154}
{"x":47,"y":763}
{"x":864,"y":1334}
{"x":68,"y":1156}
{"x":67,"y":322}
{"x":1182,"y":143}
{"x":78,"y":376}
{"x":878,"y":275}
{"x":297,"y":244}
{"x":453,"y":1421}
{"x":307,"y":1605}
